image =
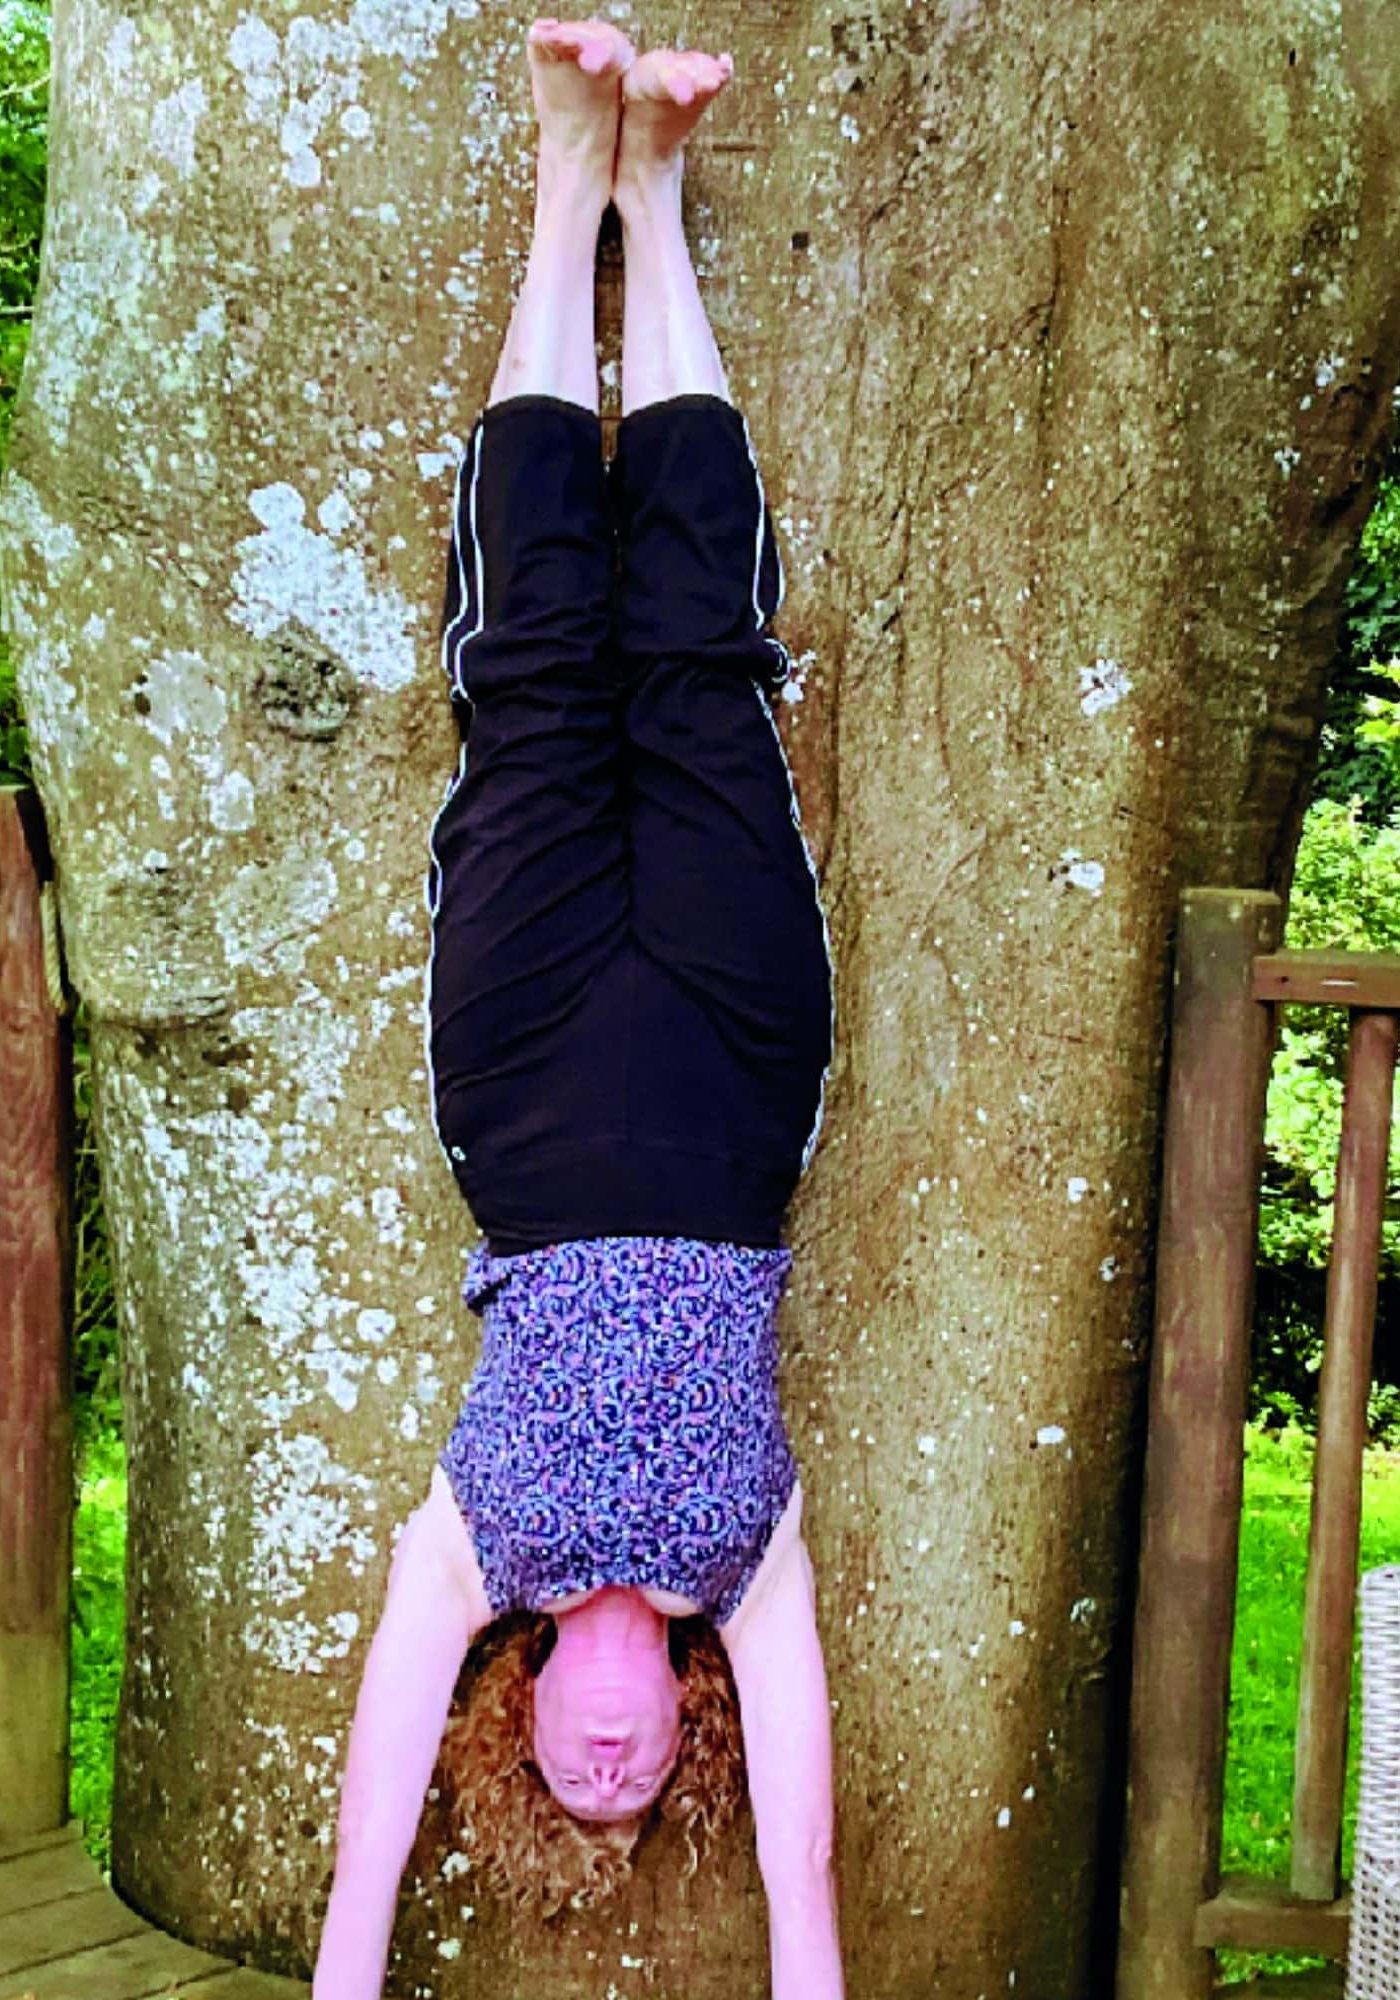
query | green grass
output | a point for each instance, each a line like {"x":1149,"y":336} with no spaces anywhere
{"x":99,"y":1554}
{"x":1264,"y":1665}
{"x":1264,"y":1673}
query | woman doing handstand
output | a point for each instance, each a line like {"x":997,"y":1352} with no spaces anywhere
{"x":629,"y":1024}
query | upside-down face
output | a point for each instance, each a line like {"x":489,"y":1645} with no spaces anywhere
{"x":607,"y":1708}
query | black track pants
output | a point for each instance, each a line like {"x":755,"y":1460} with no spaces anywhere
{"x":629,"y":1003}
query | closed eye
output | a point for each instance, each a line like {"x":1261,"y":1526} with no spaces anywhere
{"x":631,"y":1781}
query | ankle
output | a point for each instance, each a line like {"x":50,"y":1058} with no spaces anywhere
{"x":570,"y":190}
{"x":649,"y":197}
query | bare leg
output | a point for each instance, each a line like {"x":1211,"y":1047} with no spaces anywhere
{"x":668,"y":348}
{"x":575,"y":73}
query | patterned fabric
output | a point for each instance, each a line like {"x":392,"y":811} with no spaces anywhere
{"x":623,"y":1425}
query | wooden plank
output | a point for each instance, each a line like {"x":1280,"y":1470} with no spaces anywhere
{"x":1343,"y":978}
{"x":1261,"y":1913}
{"x":1194,"y":1472}
{"x":35,"y":1314}
{"x":246,"y":1984}
{"x":32,"y":1879}
{"x":74,"y":1923}
{"x":1317,"y":1982}
{"x":54,"y":1836}
{"x":131,"y":1969}
{"x":1334,"y":1532}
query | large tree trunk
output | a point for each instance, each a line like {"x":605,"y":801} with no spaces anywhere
{"x":1067,"y":336}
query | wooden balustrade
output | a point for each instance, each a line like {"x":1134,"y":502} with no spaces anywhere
{"x":35,"y":1322}
{"x":1176,"y":1908}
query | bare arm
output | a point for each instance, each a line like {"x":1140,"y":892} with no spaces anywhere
{"x":402,"y":1709}
{"x":776,"y":1654}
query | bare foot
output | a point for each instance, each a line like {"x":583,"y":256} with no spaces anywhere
{"x":664,"y":93}
{"x":575,"y":68}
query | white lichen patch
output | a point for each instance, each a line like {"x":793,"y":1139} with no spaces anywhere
{"x":183,"y":697}
{"x":232,"y":802}
{"x":289,"y":575}
{"x":386,"y":1205}
{"x":262,"y":905}
{"x":1083,"y":874}
{"x":294,"y":83}
{"x":173,"y":122}
{"x":26,"y":520}
{"x":106,"y":277}
{"x":167,"y":1166}
{"x":285,"y":1293}
{"x":335,"y":513}
{"x":295,"y":1644}
{"x":300,"y":1516}
{"x":340,"y":1371}
{"x":1102,"y":685}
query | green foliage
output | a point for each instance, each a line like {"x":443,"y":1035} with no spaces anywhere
{"x":1346,"y":893}
{"x":1351,"y":763}
{"x":15,"y":768}
{"x":24,"y":113}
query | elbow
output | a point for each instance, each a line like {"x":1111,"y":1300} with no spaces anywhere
{"x":798,"y":1880}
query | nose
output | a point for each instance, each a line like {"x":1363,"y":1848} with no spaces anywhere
{"x":607,"y":1762}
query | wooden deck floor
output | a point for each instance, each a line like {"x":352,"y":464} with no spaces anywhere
{"x":1323,"y":1982}
{"x":66,"y":1935}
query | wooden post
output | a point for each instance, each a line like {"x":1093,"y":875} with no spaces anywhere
{"x":1221,"y":1045}
{"x":1335,"y":1526}
{"x":35,"y":1336}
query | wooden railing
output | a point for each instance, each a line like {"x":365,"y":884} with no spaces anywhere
{"x":1176,"y":1908}
{"x":35,"y":1320}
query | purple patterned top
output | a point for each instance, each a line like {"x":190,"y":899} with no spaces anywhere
{"x":623,"y":1424}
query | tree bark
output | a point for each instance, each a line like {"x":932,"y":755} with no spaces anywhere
{"x":1068,"y":339}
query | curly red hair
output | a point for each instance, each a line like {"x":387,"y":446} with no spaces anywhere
{"x":516,"y":1836}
